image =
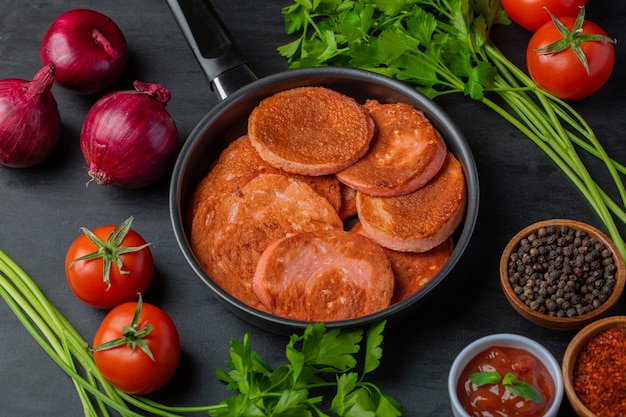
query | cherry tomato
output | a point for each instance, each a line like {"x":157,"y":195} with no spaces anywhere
{"x":123,"y":344}
{"x":563,"y":73}
{"x":531,"y":14}
{"x":129,"y":259}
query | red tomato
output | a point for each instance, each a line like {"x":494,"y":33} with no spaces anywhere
{"x":86,"y":278}
{"x":131,"y":369}
{"x":531,"y":14}
{"x":563,"y":73}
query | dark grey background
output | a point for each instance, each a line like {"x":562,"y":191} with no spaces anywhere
{"x":42,"y":209}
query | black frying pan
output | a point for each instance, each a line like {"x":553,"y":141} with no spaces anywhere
{"x":240,"y":91}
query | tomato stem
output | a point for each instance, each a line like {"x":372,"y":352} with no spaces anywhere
{"x":573,"y":38}
{"x":110,"y":251}
{"x":132,"y":335}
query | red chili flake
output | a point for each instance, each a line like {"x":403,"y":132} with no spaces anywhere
{"x":600,"y":373}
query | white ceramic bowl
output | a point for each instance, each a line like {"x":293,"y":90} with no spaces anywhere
{"x":504,"y":340}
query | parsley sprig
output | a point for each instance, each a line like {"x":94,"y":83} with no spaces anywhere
{"x":320,"y":378}
{"x":444,"y":47}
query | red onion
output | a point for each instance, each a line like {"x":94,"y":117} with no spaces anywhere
{"x":30,"y":123}
{"x":128,"y":139}
{"x":88,"y":49}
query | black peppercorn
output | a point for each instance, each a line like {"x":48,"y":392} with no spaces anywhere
{"x":562,"y":272}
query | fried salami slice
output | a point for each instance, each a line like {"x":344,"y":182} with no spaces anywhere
{"x":405,"y":153}
{"x":412,"y":270}
{"x":238,"y":164}
{"x":310,"y":130}
{"x":324,"y":276}
{"x":421,"y":220}
{"x":246,"y":221}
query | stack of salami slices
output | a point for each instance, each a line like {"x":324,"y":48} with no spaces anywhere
{"x":328,"y":209}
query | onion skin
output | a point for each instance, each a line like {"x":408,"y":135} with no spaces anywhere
{"x":128,"y":138}
{"x":30,"y":123}
{"x":88,"y":49}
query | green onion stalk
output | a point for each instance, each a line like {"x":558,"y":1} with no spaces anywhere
{"x":443,"y":47}
{"x":257,"y":389}
{"x":62,"y":342}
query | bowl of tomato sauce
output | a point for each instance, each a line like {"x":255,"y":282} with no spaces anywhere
{"x":505,"y":375}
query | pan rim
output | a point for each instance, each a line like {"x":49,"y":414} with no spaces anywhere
{"x":440,"y":119}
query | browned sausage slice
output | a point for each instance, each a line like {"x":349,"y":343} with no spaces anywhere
{"x":310,"y":130}
{"x":324,"y":276}
{"x":246,"y":221}
{"x":238,"y":164}
{"x":412,"y":270}
{"x":421,"y":220}
{"x":405,"y":153}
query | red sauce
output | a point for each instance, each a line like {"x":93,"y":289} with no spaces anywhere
{"x":493,"y":400}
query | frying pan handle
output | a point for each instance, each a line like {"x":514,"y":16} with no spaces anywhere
{"x":212,"y":45}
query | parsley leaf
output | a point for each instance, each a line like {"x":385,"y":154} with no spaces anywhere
{"x":373,"y":347}
{"x":398,"y":38}
{"x":320,"y":361}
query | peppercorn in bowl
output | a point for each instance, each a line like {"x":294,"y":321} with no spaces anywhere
{"x":594,"y":369}
{"x":562,"y":274}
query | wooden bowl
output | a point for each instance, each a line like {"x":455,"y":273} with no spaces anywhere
{"x":571,"y":354}
{"x":544,"y":319}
